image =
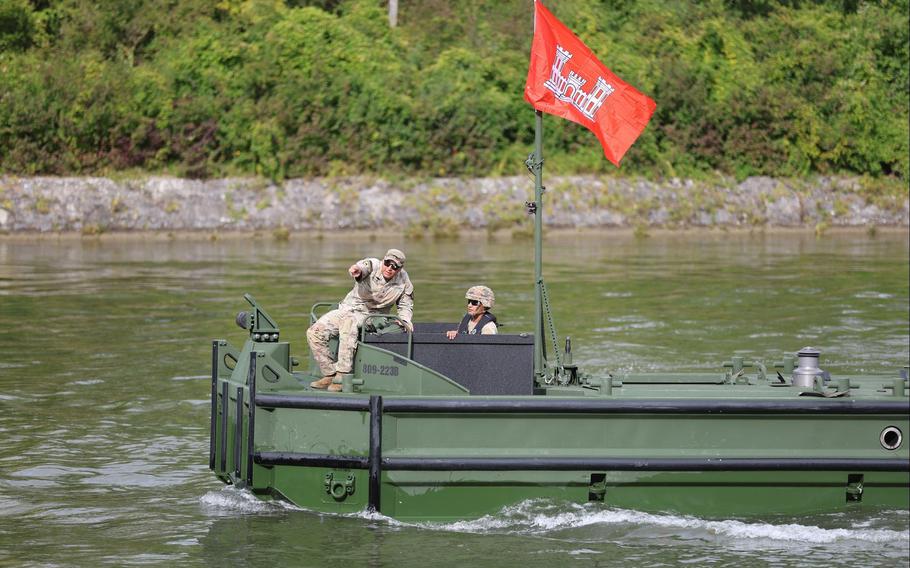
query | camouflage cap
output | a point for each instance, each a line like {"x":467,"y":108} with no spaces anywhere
{"x":395,"y":255}
{"x":482,"y":294}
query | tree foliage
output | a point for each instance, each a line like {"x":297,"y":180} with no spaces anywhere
{"x":286,"y":88}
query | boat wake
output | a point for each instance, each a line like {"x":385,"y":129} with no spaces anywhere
{"x":232,"y":500}
{"x":595,"y":522}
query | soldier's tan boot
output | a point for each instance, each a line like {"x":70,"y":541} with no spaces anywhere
{"x":341,"y":379}
{"x":323,"y":382}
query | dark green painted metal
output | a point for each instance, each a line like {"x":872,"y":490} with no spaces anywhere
{"x":412,"y":377}
{"x":238,"y":430}
{"x":642,"y":464}
{"x":537,"y":168}
{"x":375,"y":461}
{"x":313,"y":402}
{"x":259,"y":321}
{"x":382,"y":323}
{"x":446,"y":496}
{"x":311,"y":460}
{"x":251,"y":418}
{"x":224,"y":427}
{"x":214,"y":404}
{"x":418,"y":446}
{"x":528,"y":405}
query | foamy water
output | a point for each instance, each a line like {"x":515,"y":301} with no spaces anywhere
{"x":540,"y":517}
{"x":232,"y":500}
{"x":559,"y":520}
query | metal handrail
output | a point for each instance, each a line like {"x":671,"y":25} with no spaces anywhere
{"x":363,"y":330}
{"x":313,"y":317}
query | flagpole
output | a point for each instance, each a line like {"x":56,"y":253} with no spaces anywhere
{"x":539,"y":371}
{"x":538,"y":249}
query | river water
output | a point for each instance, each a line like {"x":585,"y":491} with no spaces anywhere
{"x":104,"y":383}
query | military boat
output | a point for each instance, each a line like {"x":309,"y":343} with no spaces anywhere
{"x":431,"y":429}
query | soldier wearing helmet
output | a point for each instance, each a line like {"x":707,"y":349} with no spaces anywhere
{"x":378,"y":286}
{"x":478,"y":319}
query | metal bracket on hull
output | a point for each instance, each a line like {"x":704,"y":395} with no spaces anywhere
{"x":262,"y":326}
{"x":854,"y":487}
{"x":598,"y":488}
{"x":738,"y":366}
{"x":338,"y":489}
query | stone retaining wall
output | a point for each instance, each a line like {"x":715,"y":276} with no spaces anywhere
{"x":96,"y":205}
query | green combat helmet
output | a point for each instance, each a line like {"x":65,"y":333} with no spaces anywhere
{"x":482,"y":294}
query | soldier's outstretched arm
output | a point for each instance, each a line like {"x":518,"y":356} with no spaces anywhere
{"x":360,"y":269}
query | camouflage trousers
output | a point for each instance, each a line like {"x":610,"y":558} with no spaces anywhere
{"x":344,"y":324}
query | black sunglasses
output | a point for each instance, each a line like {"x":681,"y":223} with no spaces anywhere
{"x":474,"y":302}
{"x":391,"y":264}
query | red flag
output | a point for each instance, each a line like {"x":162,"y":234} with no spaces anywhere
{"x":567,"y":80}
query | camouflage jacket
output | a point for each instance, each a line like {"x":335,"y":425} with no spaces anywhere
{"x":373,"y":293}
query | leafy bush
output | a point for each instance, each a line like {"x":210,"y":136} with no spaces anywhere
{"x":315,"y":87}
{"x":17,"y":25}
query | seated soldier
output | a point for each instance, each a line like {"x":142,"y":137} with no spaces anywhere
{"x":378,"y":285}
{"x":480,"y":301}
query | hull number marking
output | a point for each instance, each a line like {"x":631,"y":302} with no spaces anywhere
{"x":388,"y":370}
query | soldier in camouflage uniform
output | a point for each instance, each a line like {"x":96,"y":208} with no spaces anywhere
{"x":378,"y":285}
{"x":479,"y":318}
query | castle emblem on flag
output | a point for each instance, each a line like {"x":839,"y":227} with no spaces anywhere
{"x":569,"y":88}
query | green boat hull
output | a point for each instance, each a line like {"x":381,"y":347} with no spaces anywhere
{"x":415,"y":445}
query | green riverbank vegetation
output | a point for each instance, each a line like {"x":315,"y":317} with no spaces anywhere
{"x":297,"y":88}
